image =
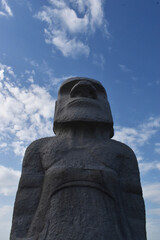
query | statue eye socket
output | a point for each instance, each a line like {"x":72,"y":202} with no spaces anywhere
{"x":66,"y":88}
{"x":99,"y":88}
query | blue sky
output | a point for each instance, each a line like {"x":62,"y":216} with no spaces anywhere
{"x":44,"y":42}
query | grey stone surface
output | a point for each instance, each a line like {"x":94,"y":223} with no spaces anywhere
{"x":80,"y":184}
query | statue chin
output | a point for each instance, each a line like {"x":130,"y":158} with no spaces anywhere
{"x":85,"y":118}
{"x":74,"y":116}
{"x":85,"y":110}
{"x":94,"y":117}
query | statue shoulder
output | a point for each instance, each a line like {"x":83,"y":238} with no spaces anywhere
{"x":37,"y":145}
{"x":122,"y":149}
{"x":35,"y":150}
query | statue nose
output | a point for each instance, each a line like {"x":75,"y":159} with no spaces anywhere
{"x":83,"y":89}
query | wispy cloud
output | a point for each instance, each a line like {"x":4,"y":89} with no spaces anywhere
{"x":157,"y":148}
{"x":139,"y":136}
{"x":151,"y":192}
{"x":26,"y":112}
{"x":154,"y":211}
{"x":99,"y":60}
{"x":148,"y":166}
{"x":8,"y":181}
{"x":45,"y":70}
{"x":58,"y":80}
{"x":28,"y":4}
{"x":124,"y":68}
{"x":5,"y":220}
{"x":6,"y":10}
{"x":69,"y":22}
{"x":153,"y":230}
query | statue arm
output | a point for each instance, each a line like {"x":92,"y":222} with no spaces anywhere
{"x":132,"y":198}
{"x":29,"y":191}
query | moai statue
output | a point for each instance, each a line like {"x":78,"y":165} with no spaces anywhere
{"x":79,"y":184}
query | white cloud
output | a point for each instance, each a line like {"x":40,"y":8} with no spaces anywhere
{"x":139,"y":136}
{"x":29,"y":72}
{"x":147,"y":166}
{"x":6,"y":69}
{"x":2,"y":13}
{"x":30,"y":79}
{"x":57,"y":80}
{"x":69,"y":47}
{"x":99,"y":60}
{"x":157,"y":149}
{"x":33,"y":62}
{"x":6,"y":10}
{"x":1,"y":74}
{"x":29,"y":5}
{"x":124,"y":68}
{"x":69,"y":19}
{"x":154,"y":211}
{"x":26,"y":4}
{"x":151,"y":192}
{"x":18,"y":147}
{"x":26,"y":112}
{"x":69,"y":22}
{"x":153,"y":229}
{"x":45,"y":70}
{"x":2,"y":145}
{"x":8,"y":181}
{"x":5,"y":220}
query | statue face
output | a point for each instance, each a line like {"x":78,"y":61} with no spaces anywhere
{"x":82,"y":100}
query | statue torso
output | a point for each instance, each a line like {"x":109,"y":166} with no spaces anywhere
{"x":80,"y":190}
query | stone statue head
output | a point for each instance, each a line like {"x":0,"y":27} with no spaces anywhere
{"x":82,"y":100}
